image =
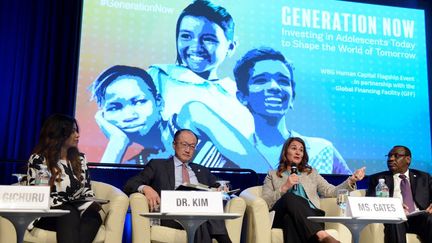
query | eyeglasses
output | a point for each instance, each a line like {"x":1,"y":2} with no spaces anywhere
{"x":184,"y":145}
{"x":396,"y":155}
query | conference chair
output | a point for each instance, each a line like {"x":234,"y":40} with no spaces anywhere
{"x":113,"y":218}
{"x":374,"y":233}
{"x":259,"y":220}
{"x":142,"y":232}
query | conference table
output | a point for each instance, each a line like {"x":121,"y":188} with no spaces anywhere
{"x":355,"y":225}
{"x":191,"y":221}
{"x":21,"y":218}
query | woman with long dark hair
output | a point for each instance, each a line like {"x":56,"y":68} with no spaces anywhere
{"x":69,"y":181}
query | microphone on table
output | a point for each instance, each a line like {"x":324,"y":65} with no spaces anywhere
{"x":294,"y":171}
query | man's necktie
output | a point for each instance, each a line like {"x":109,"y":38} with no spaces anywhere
{"x":406,"y":193}
{"x":185,"y":174}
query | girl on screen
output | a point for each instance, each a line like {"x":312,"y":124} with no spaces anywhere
{"x":130,"y":113}
{"x":204,"y":38}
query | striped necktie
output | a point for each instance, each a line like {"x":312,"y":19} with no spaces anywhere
{"x":185,"y":174}
{"x":406,"y":193}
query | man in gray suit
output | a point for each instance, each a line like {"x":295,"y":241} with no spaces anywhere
{"x":419,"y":197}
{"x":168,"y":174}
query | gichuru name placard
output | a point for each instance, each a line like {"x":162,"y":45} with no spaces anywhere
{"x":191,"y":202}
{"x":24,"y":197}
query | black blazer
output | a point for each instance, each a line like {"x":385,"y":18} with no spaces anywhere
{"x":159,"y":174}
{"x":421,"y":186}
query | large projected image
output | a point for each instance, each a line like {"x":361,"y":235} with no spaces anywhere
{"x":348,"y":78}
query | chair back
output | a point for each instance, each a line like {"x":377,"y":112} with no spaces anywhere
{"x":257,"y":216}
{"x":358,"y":193}
{"x":113,"y":217}
{"x":142,"y":232}
{"x":259,"y":225}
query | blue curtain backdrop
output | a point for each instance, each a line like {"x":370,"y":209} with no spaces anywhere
{"x":39,"y":46}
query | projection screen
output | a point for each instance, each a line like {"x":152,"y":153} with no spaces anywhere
{"x":353,"y":82}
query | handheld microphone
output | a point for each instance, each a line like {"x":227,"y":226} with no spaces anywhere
{"x":294,"y":171}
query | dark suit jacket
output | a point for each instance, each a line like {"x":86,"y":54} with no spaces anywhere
{"x":159,"y":174}
{"x":421,"y":186}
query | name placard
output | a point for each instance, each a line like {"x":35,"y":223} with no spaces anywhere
{"x":375,"y":207}
{"x":24,"y":197}
{"x":191,"y":202}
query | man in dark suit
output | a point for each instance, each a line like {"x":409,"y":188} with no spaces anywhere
{"x":168,"y":174}
{"x":420,"y":185}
